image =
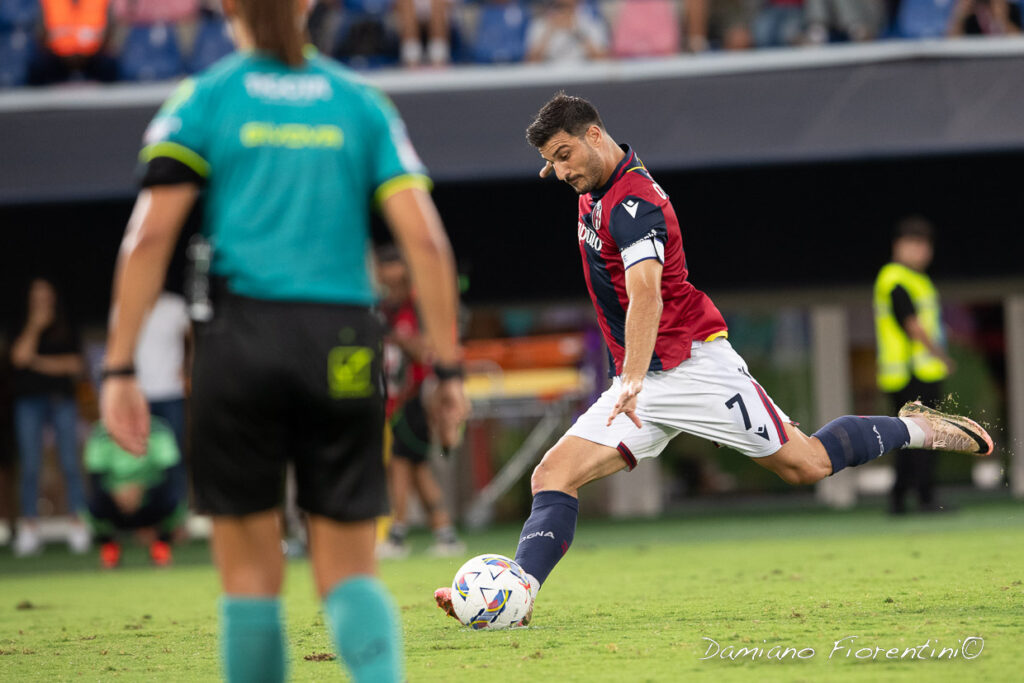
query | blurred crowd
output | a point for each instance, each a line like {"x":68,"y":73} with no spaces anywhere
{"x":50,"y":41}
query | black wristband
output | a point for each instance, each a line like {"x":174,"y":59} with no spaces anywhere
{"x":118,"y":371}
{"x":444,"y":372}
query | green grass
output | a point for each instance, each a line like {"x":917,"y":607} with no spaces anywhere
{"x":630,"y":602}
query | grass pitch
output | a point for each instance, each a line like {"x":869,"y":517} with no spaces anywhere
{"x":630,"y":602}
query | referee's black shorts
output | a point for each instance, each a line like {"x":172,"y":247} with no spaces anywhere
{"x":277,"y":382}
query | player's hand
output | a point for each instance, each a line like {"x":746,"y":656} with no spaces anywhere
{"x":128,"y":498}
{"x":546,"y":171}
{"x":125,"y":414}
{"x":626,"y":404}
{"x":448,"y":411}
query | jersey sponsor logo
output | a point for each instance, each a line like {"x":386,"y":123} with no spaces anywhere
{"x":631,"y":206}
{"x":291,"y":136}
{"x":536,"y":534}
{"x":305,"y":88}
{"x":588,"y":235}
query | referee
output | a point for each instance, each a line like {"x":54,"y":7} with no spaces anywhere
{"x":291,"y":152}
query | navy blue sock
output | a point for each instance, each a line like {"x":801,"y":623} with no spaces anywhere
{"x":548,"y":533}
{"x":851,"y":440}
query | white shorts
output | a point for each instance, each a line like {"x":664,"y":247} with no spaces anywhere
{"x":711,"y":395}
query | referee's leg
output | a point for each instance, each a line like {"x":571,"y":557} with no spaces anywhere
{"x":247,"y":552}
{"x":361,"y":614}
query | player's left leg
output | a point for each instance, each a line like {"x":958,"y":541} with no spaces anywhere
{"x":247,"y":552}
{"x":851,"y":440}
{"x":359,"y":610}
{"x":446,"y":541}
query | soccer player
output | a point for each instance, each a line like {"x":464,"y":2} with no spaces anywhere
{"x":292,"y":151}
{"x":674,"y":369}
{"x":406,"y":366}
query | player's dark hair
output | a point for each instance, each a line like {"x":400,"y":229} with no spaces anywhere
{"x":573,"y":115}
{"x":917,"y":227}
{"x":275,"y":28}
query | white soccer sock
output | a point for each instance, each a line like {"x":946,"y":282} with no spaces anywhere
{"x":917,"y":434}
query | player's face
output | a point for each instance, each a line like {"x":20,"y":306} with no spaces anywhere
{"x":575,"y":161}
{"x":394,"y":281}
{"x":914,"y":252}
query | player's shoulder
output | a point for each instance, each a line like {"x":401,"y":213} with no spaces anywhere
{"x":350,"y":85}
{"x":638,"y":184}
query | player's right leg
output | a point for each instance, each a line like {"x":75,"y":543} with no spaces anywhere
{"x":548,"y":532}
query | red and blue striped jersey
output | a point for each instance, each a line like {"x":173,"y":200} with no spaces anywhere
{"x":627,"y":221}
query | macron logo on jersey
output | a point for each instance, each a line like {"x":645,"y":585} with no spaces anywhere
{"x":631,"y":206}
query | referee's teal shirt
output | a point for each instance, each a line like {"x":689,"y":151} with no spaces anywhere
{"x":294,"y":159}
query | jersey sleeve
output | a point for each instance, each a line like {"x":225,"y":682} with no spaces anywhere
{"x":175,"y":145}
{"x":638,"y":228}
{"x":394,"y":163}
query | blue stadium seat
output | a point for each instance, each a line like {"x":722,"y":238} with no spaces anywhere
{"x":924,"y":18}
{"x":501,"y":34}
{"x":19,"y":13}
{"x":151,"y":53}
{"x":212,"y":43}
{"x":375,"y":8}
{"x":15,"y":53}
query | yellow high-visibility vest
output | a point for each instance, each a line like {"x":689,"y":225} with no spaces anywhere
{"x":900,"y":357}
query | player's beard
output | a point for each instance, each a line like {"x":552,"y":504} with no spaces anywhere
{"x":592,"y":173}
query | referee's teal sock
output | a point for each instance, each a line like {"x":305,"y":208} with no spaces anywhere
{"x":252,"y":646}
{"x":365,"y":628}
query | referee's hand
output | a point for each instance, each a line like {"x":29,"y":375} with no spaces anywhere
{"x":125,"y":414}
{"x":448,"y":408}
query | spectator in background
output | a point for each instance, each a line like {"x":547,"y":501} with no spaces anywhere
{"x":417,"y":18}
{"x":779,"y":23}
{"x":984,"y":17}
{"x":727,"y":23}
{"x":74,"y":37}
{"x":566,"y":32}
{"x":856,"y":20}
{"x":406,"y":366}
{"x":160,"y":371}
{"x":8,"y":516}
{"x":47,"y":359}
{"x":912,"y":360}
{"x":130,"y":492}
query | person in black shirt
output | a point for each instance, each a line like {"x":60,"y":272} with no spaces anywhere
{"x":46,"y":359}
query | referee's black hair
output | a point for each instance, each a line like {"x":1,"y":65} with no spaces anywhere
{"x":568,"y":113}
{"x":915,"y":227}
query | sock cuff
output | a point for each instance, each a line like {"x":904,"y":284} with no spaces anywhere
{"x":359,"y":583}
{"x":247,"y":608}
{"x":545,"y":498}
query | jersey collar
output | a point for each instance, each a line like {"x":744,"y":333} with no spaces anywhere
{"x":628,"y":163}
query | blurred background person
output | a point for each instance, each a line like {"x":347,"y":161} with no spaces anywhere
{"x":8,"y":452}
{"x":985,"y":17}
{"x":855,"y":20}
{"x":74,"y":39}
{"x":566,"y":31}
{"x":46,"y":357}
{"x":419,"y":18}
{"x":779,"y":23}
{"x":406,"y":366}
{"x":725,"y":23}
{"x":160,"y":370}
{"x":132,"y":493}
{"x":912,"y":359}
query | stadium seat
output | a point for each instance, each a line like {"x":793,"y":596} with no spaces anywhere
{"x":19,"y":13}
{"x":377,"y":8}
{"x":924,"y":18}
{"x":150,"y":53}
{"x":212,"y":43}
{"x":500,"y":34}
{"x":15,"y":52}
{"x":134,"y":12}
{"x":645,"y":28}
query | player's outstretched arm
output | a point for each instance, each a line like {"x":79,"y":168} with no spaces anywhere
{"x":417,"y":228}
{"x":146,"y":249}
{"x":643,"y":287}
